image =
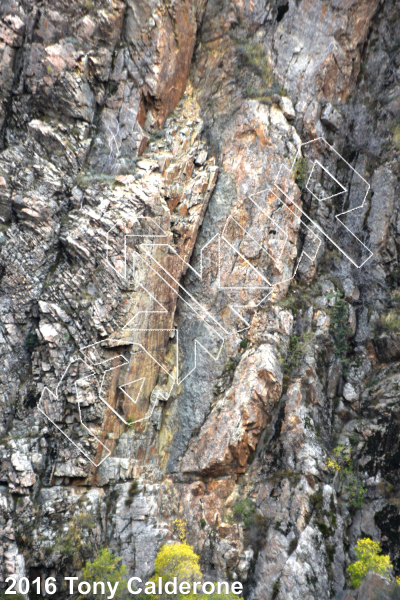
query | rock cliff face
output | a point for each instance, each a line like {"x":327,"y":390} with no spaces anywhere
{"x":187,"y":331}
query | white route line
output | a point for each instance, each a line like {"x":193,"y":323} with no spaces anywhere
{"x":337,"y":217}
{"x":162,"y":311}
{"x":344,"y":190}
{"x":55,"y":396}
{"x":196,"y":309}
{"x":125,"y":342}
{"x":121,"y":387}
{"x":271,"y":286}
{"x":212,"y":324}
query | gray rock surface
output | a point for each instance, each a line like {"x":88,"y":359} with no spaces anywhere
{"x":121,"y":121}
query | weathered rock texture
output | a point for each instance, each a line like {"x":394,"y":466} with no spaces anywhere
{"x":140,"y":147}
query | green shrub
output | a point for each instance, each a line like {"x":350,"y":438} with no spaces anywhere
{"x":255,"y":58}
{"x":244,"y":511}
{"x":296,"y":350}
{"x":85,"y":521}
{"x":293,"y":545}
{"x":177,"y":560}
{"x":106,"y":567}
{"x":275,"y":589}
{"x":89,"y":4}
{"x":300,"y":172}
{"x":261,"y":83}
{"x":390,"y":322}
{"x":340,"y":329}
{"x":31,"y":341}
{"x":351,"y":483}
{"x":300,"y":296}
{"x":133,"y":490}
{"x":355,"y":490}
{"x":85,"y":179}
{"x":75,"y":542}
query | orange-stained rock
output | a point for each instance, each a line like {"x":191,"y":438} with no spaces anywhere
{"x":197,"y":489}
{"x":233,"y":428}
{"x":221,"y":487}
{"x":224,"y":529}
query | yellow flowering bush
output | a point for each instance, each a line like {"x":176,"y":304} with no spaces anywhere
{"x":180,"y":529}
{"x":180,"y":561}
{"x":177,"y":560}
{"x":332,"y":465}
{"x":369,"y":559}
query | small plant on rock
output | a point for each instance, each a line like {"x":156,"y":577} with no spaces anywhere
{"x":244,"y":511}
{"x":133,"y":490}
{"x":352,"y":486}
{"x":296,"y":350}
{"x":300,"y":172}
{"x":76,"y":542}
{"x":396,"y":136}
{"x":180,"y":529}
{"x":355,"y":489}
{"x":390,"y":322}
{"x":31,"y":341}
{"x":275,"y":589}
{"x":85,"y":521}
{"x":332,"y":465}
{"x":340,"y":328}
